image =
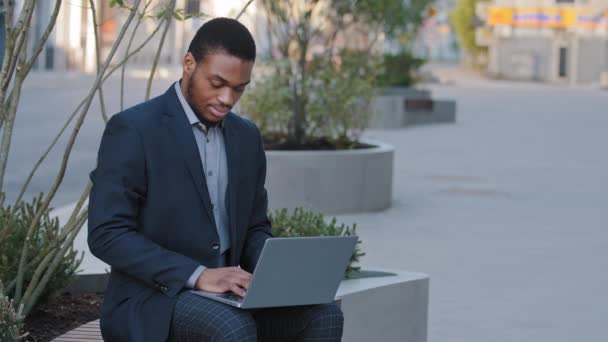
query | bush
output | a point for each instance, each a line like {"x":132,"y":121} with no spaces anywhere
{"x":14,"y":222}
{"x":307,"y":223}
{"x":335,"y":98}
{"x":400,"y":70}
{"x":266,"y":103}
{"x":343,"y":92}
{"x":11,"y":322}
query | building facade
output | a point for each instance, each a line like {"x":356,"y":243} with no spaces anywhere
{"x":71,"y":45}
{"x":546,"y":40}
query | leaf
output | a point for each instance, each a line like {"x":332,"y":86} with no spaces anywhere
{"x":120,"y":3}
{"x":161,"y":14}
{"x":177,"y":17}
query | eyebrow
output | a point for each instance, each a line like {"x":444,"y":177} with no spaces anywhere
{"x":226,"y":81}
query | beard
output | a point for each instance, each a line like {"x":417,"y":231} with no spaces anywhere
{"x":190,"y":99}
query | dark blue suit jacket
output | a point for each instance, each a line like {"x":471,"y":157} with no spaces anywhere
{"x":150,"y":215}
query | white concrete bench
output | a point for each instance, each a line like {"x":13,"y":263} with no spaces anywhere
{"x":389,"y":308}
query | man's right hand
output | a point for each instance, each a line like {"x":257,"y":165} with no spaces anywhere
{"x":220,"y":280}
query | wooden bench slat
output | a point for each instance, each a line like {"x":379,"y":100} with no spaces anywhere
{"x":86,"y":329}
{"x":78,"y":333}
{"x":88,"y":332}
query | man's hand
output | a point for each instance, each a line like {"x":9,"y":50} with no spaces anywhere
{"x":224,"y":279}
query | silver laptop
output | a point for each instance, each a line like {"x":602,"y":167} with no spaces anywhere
{"x":294,"y":271}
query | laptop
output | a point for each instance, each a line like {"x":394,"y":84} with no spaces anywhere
{"x":294,"y":271}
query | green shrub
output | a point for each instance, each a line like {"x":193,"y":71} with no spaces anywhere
{"x":341,"y":107}
{"x":266,"y":102}
{"x":334,"y":100}
{"x":400,"y":70}
{"x":14,"y":222}
{"x":11,"y":321}
{"x":308,"y":223}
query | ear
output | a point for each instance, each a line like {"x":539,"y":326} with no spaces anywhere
{"x":188,"y":64}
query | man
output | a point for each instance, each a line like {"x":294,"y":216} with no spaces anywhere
{"x":178,"y":202}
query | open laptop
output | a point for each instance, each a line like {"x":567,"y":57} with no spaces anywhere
{"x":294,"y":271}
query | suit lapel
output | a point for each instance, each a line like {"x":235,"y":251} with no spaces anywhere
{"x":232,"y":158}
{"x":182,"y":132}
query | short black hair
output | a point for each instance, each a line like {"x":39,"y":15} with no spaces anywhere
{"x":223,"y":35}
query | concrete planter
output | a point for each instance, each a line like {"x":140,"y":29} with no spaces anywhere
{"x":385,"y":308}
{"x":399,"y":107}
{"x":332,"y":182}
{"x":407,"y":92}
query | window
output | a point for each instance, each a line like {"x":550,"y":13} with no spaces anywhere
{"x":563,"y":62}
{"x":193,"y":6}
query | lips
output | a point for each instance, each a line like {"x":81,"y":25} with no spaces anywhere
{"x":218,"y":111}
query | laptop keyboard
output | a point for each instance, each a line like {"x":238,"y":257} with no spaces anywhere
{"x":230,"y":296}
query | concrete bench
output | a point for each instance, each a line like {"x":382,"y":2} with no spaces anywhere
{"x":385,"y":308}
{"x":397,"y":110}
{"x":386,"y":305}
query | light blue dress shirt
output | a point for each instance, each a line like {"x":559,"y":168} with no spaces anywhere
{"x":212,"y":150}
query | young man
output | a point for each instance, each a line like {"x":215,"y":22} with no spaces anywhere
{"x":178,"y":202}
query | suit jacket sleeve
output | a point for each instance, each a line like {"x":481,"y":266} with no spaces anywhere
{"x":259,"y":228}
{"x":119,"y":190}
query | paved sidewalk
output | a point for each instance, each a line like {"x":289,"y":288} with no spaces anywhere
{"x":504,"y":209}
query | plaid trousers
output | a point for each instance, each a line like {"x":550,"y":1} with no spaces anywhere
{"x":201,"y":319}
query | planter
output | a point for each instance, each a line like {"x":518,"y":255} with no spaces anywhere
{"x":407,"y":92}
{"x":332,"y":182}
{"x":399,"y":107}
{"x":386,"y":306}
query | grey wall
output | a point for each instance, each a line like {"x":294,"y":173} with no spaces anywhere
{"x":525,"y":58}
{"x":593,"y":59}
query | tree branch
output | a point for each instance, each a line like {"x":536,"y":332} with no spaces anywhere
{"x":124,"y":66}
{"x":98,"y":59}
{"x":20,"y":33}
{"x":68,"y":149}
{"x":65,"y":231}
{"x":243,"y":10}
{"x":107,"y":75}
{"x":168,"y":14}
{"x":35,"y":294}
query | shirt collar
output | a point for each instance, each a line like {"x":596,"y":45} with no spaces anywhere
{"x":192,"y":118}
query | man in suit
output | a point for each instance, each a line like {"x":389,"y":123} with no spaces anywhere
{"x":178,"y":202}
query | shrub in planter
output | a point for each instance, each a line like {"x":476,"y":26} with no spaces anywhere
{"x":14,"y":222}
{"x":308,"y":223}
{"x":400,"y":70}
{"x":11,"y":321}
{"x":333,"y":103}
{"x":301,"y":32}
{"x":266,"y":103}
{"x":341,"y":107}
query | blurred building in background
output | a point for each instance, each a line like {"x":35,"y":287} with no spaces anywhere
{"x":545,"y":40}
{"x":71,"y":45}
{"x":436,"y":40}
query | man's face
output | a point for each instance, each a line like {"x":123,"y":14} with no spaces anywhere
{"x":214,"y":85}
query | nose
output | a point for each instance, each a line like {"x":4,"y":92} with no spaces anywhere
{"x":226,"y":97}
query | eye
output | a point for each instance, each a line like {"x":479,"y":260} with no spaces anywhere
{"x":239,"y":89}
{"x":216,"y":85}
